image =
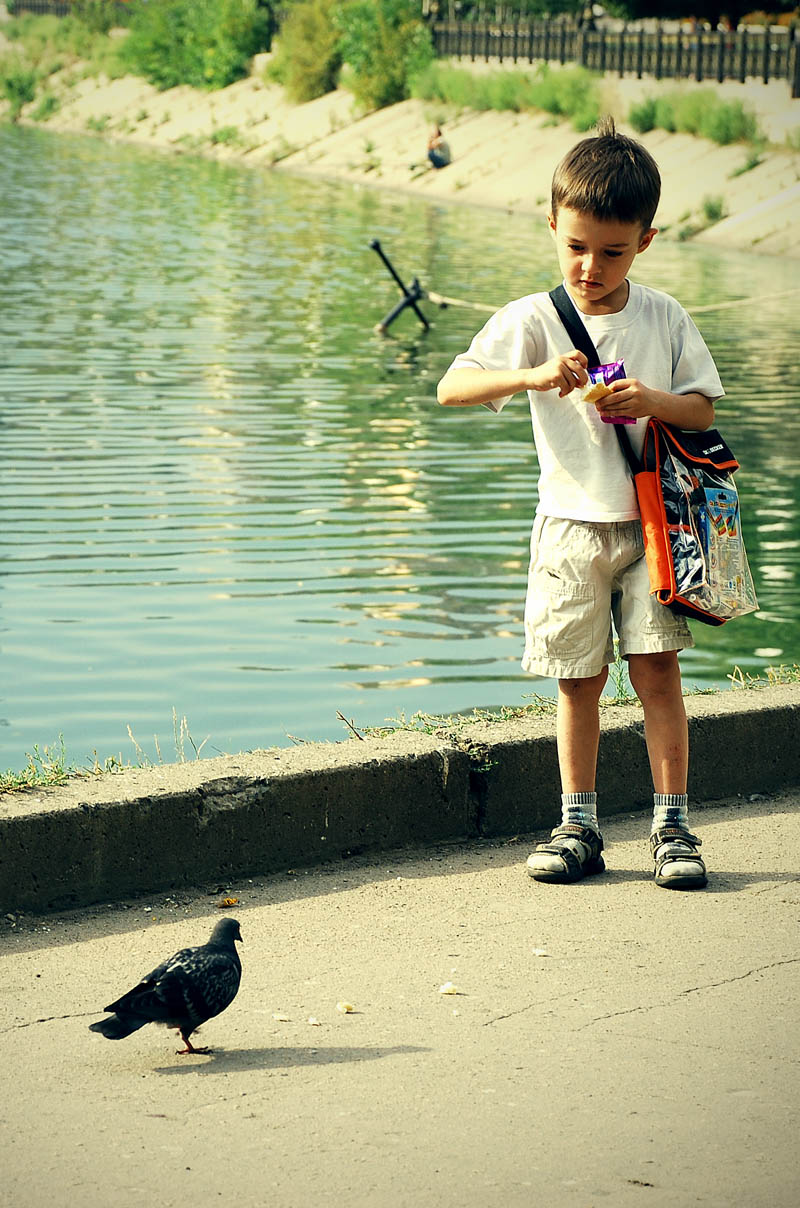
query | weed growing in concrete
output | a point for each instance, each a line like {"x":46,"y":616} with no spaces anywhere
{"x":48,"y":766}
{"x":45,"y":767}
{"x":783,"y":674}
{"x":713,"y":209}
{"x":618,"y":674}
{"x":48,"y":105}
{"x":227,"y":135}
{"x":281,"y":150}
{"x":754,"y":157}
{"x":181,"y":735}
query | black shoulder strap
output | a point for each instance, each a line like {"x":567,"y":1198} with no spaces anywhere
{"x":576,"y":330}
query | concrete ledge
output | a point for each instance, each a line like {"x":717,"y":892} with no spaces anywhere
{"x":147,"y":829}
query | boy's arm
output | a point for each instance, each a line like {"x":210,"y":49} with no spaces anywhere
{"x":692,"y":411}
{"x":468,"y":387}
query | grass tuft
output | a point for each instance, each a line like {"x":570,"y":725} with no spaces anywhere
{"x":570,"y":93}
{"x":46,"y":766}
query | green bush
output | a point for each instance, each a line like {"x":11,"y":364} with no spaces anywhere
{"x":17,"y":84}
{"x":643,"y":116}
{"x":438,"y":82}
{"x":308,"y":56}
{"x":48,"y":43}
{"x":569,"y":93}
{"x":698,"y":112}
{"x":385,"y":44}
{"x":203,"y":43}
{"x":730,"y":123}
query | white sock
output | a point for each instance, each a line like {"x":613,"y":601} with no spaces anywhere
{"x":580,"y":809}
{"x":670,"y":809}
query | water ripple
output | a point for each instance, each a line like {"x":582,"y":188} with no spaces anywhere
{"x":224,"y":494}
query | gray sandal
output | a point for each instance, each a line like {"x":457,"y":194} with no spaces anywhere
{"x":673,"y":847}
{"x":572,"y":867}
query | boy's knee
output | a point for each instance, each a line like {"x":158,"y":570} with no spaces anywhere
{"x":590,"y":686}
{"x":654,"y":673}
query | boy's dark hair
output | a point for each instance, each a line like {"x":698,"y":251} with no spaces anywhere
{"x":609,"y":176}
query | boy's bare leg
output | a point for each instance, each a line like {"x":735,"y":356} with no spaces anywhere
{"x":575,"y":846}
{"x":656,"y":679}
{"x":578,"y":731}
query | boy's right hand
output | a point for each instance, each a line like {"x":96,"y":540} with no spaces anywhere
{"x":562,"y":373}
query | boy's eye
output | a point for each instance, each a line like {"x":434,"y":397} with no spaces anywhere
{"x":613,"y":254}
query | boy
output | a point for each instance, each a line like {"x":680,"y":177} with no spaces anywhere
{"x":587,"y":564}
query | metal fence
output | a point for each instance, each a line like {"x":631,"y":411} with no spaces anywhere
{"x":41,"y":8}
{"x":55,"y":8}
{"x":770,"y":53}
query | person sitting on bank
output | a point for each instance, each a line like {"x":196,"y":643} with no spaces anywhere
{"x":438,"y":150}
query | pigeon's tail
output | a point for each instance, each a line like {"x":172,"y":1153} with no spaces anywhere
{"x":117,"y":1027}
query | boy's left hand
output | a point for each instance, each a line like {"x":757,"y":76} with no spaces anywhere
{"x":629,"y":397}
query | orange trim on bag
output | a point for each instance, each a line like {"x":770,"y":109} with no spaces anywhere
{"x":654,"y":525}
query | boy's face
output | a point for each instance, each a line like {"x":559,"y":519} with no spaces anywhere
{"x":594,"y":255}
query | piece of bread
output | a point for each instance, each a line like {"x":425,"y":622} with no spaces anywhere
{"x":596,"y":392}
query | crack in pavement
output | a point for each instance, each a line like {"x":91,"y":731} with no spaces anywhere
{"x":725,"y":981}
{"x":530,"y":1006}
{"x":15,"y":1027}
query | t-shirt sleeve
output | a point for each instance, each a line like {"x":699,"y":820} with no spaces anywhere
{"x":693,"y":367}
{"x":506,"y":341}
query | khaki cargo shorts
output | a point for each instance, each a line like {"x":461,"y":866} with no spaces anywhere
{"x":583,"y":576}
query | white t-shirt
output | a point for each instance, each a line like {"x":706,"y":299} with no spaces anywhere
{"x":583,"y":475}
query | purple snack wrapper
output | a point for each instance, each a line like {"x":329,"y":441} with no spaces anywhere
{"x":614,"y":371}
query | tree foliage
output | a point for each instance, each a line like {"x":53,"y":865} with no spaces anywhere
{"x":308,"y":55}
{"x":203,"y":43}
{"x":385,"y":44}
{"x":711,"y":11}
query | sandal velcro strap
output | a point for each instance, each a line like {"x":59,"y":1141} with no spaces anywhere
{"x":573,"y":867}
{"x":674,"y":834}
{"x":673,"y":846}
{"x":584,"y":834}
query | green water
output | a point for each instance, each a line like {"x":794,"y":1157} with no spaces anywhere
{"x":223,"y":494}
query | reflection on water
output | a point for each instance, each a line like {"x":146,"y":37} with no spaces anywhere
{"x":223,"y":493}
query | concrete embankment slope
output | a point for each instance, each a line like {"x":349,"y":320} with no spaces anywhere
{"x":500,"y":160}
{"x":147,"y":829}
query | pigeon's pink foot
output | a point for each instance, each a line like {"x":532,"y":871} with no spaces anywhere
{"x":190,"y":1048}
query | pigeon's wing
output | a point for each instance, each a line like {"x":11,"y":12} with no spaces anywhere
{"x":140,"y":992}
{"x":188,"y":989}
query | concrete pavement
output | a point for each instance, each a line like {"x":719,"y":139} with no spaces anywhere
{"x":612,"y":1042}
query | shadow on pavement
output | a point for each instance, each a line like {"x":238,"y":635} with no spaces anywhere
{"x":225,"y":1061}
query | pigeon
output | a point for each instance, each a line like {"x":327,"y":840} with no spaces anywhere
{"x":183,"y":992}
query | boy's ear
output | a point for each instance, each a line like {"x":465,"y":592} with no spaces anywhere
{"x":647,"y":239}
{"x":551,"y":222}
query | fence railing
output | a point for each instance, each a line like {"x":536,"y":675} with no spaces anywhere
{"x":52,"y":8}
{"x":43,"y":8}
{"x":771,"y":53}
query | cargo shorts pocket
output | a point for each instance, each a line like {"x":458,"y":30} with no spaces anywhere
{"x":559,"y":615}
